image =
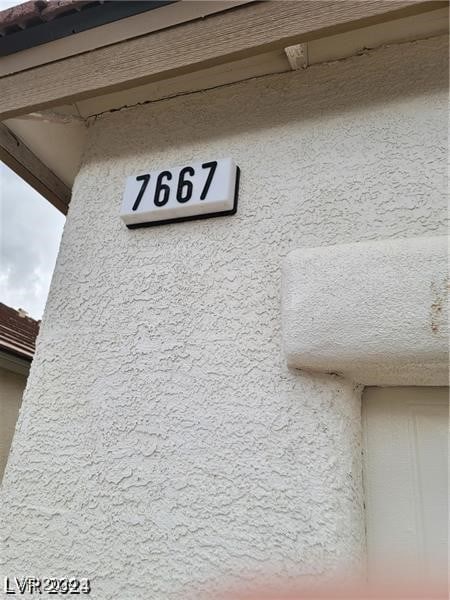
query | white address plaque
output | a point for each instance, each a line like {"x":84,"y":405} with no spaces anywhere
{"x":194,"y":191}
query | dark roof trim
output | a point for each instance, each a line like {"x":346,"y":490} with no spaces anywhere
{"x":26,"y":31}
{"x":13,"y":363}
{"x":15,"y":353}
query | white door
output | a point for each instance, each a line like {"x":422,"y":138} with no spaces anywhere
{"x":406,"y":473}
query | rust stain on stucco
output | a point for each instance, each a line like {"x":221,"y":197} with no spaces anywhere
{"x":439,"y":294}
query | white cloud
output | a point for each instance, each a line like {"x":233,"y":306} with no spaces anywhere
{"x":30,"y":233}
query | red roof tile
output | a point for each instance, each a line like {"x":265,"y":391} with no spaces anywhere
{"x":37,"y":11}
{"x":21,"y":14}
{"x":60,"y":7}
{"x":18,"y":332}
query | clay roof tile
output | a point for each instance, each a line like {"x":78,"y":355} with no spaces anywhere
{"x":37,"y":11}
{"x":18,"y":332}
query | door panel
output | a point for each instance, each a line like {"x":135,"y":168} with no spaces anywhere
{"x":406,"y":472}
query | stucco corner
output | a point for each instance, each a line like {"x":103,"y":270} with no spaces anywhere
{"x":373,"y":311}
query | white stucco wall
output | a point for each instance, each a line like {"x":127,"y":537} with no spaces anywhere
{"x":374,"y":312}
{"x":165,"y":448}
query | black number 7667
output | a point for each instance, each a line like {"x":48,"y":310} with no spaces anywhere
{"x":184,"y":187}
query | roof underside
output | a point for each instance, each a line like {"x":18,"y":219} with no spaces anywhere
{"x":51,"y":91}
{"x":39,"y":21}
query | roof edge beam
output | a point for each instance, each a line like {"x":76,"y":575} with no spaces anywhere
{"x":237,"y":33}
{"x":18,"y":157}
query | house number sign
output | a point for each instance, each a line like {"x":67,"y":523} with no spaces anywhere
{"x":193,"y":191}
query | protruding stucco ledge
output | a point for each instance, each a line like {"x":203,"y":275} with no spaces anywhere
{"x":373,"y":311}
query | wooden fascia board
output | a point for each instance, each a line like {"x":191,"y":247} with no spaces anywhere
{"x":238,"y":33}
{"x":113,"y":33}
{"x":18,"y":157}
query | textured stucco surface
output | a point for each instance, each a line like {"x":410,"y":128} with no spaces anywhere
{"x":164,"y":446}
{"x":375,"y":312}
